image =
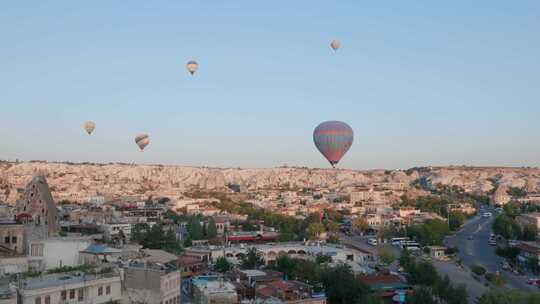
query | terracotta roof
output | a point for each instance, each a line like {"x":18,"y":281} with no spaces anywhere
{"x":281,"y":284}
{"x":189,"y":260}
{"x":266,"y":292}
{"x":529,"y":247}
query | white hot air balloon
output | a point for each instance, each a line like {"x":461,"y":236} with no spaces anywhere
{"x":89,"y":126}
{"x":192,"y":66}
{"x":142,"y":141}
{"x":335,"y":44}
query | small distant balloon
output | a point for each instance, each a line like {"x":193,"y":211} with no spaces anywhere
{"x":89,"y":126}
{"x":142,"y":141}
{"x":192,"y":66}
{"x":335,"y":44}
{"x":333,"y":139}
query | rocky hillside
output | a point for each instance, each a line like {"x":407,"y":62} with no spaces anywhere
{"x":81,"y":181}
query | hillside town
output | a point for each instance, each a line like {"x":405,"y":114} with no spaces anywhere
{"x":120,"y":233}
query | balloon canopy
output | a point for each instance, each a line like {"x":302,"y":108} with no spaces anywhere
{"x":89,"y":126}
{"x":333,"y":139}
{"x":192,"y":66}
{"x":142,"y":141}
{"x":335,"y":44}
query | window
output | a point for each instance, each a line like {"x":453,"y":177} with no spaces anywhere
{"x":37,"y":300}
{"x":81,"y":294}
{"x":108,"y":289}
{"x":13,"y":240}
{"x":100,"y":291}
{"x":6,"y":240}
{"x":72,"y":294}
{"x":47,"y":299}
{"x":64,"y":295}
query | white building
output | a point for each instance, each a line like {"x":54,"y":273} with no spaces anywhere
{"x":112,"y":230}
{"x":71,"y":288}
{"x":12,"y":265}
{"x":56,"y":252}
{"x":97,"y":200}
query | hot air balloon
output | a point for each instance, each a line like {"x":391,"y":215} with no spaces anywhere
{"x":333,"y":139}
{"x":192,"y":66}
{"x":335,"y":44}
{"x":142,"y":141}
{"x":89,"y":126}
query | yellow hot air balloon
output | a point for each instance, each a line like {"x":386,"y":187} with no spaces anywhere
{"x":142,"y":141}
{"x":192,"y":66}
{"x":335,"y":44}
{"x":89,"y":126}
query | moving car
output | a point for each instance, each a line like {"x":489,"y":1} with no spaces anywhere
{"x":372,"y":241}
{"x":487,"y":214}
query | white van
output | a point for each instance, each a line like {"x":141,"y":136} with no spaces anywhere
{"x":372,"y":241}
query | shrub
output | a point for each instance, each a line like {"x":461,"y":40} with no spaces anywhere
{"x":478,"y":270}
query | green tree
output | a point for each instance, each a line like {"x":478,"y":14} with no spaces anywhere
{"x":222,"y":265}
{"x":322,"y":258}
{"x":457,"y":295}
{"x":360,"y":224}
{"x":495,"y":278}
{"x":139,"y":232}
{"x":517,"y":192}
{"x":170,"y":244}
{"x":456,"y":220}
{"x":195,"y":229}
{"x":285,"y":265}
{"x":506,"y":227}
{"x":421,"y":295}
{"x":211,"y":230}
{"x":331,"y":226}
{"x":188,"y":242}
{"x":252,"y":260}
{"x":341,"y":286}
{"x":386,"y":257}
{"x":431,"y":232}
{"x":532,"y":263}
{"x":478,"y":270}
{"x":443,"y":287}
{"x":424,"y":274}
{"x":512,"y":209}
{"x":509,"y":297}
{"x":315,"y":230}
{"x":406,"y":260}
{"x":530,"y":232}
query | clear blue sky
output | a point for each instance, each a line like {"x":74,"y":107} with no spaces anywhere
{"x":421,"y":83}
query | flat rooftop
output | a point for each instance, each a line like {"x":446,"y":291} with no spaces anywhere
{"x":63,"y":279}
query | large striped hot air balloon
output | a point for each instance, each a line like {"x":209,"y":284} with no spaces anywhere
{"x":333,"y":139}
{"x":142,"y":141}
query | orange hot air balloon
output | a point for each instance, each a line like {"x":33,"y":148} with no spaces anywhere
{"x":335,"y":44}
{"x":89,"y":126}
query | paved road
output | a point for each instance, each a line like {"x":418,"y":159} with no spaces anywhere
{"x":478,"y":252}
{"x":456,"y":274}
